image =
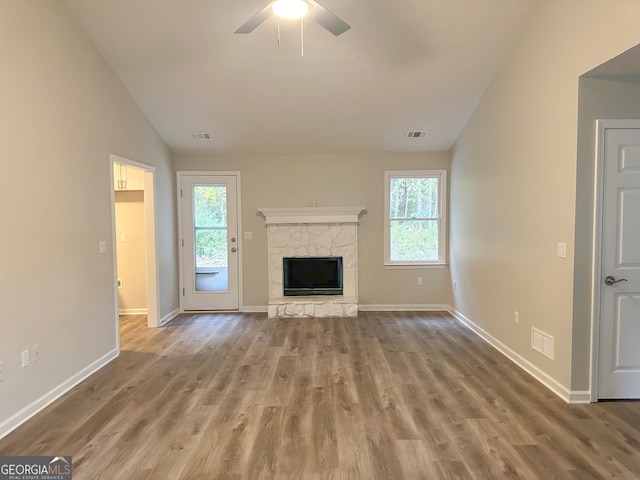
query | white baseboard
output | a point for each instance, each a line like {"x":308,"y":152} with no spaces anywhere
{"x":48,"y":398}
{"x":403,"y":308}
{"x":254,"y":309}
{"x":548,"y":381}
{"x":133,"y":311}
{"x":169,"y":316}
{"x":577,"y":397}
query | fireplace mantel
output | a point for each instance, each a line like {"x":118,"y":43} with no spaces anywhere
{"x":279,"y":216}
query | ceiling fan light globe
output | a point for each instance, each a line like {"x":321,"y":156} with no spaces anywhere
{"x":291,"y":9}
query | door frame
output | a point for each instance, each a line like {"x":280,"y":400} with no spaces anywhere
{"x":602,"y":125}
{"x":179,"y":176}
{"x":153,"y":306}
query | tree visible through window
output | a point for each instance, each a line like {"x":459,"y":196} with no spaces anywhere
{"x":415,"y":224}
{"x":210,"y":224}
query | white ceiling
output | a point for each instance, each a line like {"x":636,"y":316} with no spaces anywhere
{"x":404,"y":65}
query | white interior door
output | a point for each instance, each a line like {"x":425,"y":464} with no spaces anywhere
{"x":209,"y":242}
{"x":619,"y":348}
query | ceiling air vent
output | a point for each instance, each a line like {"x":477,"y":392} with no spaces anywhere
{"x":201,"y":136}
{"x":417,"y":134}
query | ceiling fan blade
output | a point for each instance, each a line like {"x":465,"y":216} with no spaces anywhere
{"x":328,"y":20}
{"x":250,"y":25}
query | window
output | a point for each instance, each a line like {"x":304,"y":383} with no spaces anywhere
{"x":415,"y":217}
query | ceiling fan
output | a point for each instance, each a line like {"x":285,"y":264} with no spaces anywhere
{"x":297,"y":9}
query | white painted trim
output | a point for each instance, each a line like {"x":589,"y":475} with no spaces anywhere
{"x":150,"y":221}
{"x":403,"y":308}
{"x":596,"y":273}
{"x":544,"y":378}
{"x":181,"y":285}
{"x":596,"y":264}
{"x":48,"y":398}
{"x":114,"y":266}
{"x":240,"y":239}
{"x":254,"y":309}
{"x":170,"y":316}
{"x":311,"y":215}
{"x":579,"y":397}
{"x":400,"y":266}
{"x":132,"y":311}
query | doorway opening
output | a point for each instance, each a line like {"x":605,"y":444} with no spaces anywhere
{"x":134,"y":239}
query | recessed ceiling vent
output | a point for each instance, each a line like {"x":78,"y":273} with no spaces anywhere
{"x":201,"y":136}
{"x":417,"y":134}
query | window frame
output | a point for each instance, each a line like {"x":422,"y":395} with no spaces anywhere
{"x":441,"y":175}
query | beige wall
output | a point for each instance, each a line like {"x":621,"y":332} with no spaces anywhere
{"x":329,"y":180}
{"x":63,"y":113}
{"x":513,"y":180}
{"x":131,"y":252}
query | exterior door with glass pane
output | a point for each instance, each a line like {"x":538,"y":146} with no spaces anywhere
{"x":209,"y":242}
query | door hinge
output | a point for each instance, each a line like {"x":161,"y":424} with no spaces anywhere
{"x":180,"y":193}
{"x":183,"y":242}
{"x":183,"y":292}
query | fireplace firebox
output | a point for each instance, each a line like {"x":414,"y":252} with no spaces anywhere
{"x":307,"y":276}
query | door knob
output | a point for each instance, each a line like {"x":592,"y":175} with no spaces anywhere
{"x":609,"y":280}
{"x":234,"y":249}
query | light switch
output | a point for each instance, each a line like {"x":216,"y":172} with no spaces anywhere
{"x":123,"y":237}
{"x":248,"y":235}
{"x":562,"y":250}
{"x":25,"y":358}
{"x":103,"y":246}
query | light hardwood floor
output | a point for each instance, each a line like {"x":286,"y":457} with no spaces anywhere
{"x":384,"y":396}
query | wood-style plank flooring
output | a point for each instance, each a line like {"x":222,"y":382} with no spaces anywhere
{"x":383,"y":396}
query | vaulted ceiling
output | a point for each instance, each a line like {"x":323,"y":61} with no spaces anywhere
{"x":404,"y":65}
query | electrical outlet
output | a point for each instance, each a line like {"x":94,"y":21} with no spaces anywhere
{"x":420,"y":281}
{"x":35,"y":353}
{"x":25,"y":358}
{"x":516,"y":318}
{"x":119,"y":283}
{"x":1,"y":371}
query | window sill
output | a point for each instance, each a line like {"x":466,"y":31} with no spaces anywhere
{"x":394,"y":266}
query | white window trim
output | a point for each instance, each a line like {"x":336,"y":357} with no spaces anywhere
{"x":442,"y":224}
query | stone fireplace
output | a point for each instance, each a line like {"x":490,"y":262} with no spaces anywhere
{"x":312,"y":232}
